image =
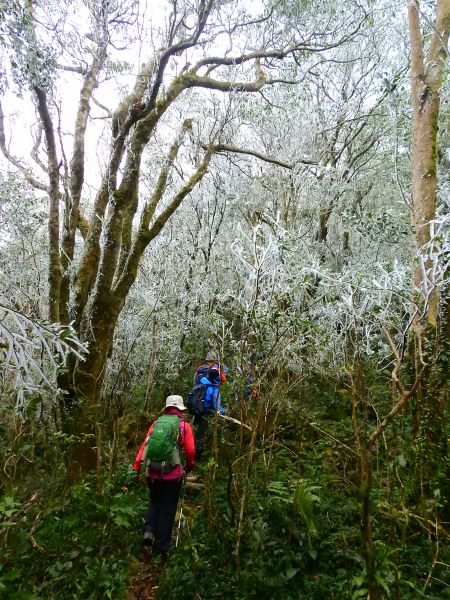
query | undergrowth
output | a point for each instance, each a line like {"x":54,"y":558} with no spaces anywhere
{"x":283,"y":526}
{"x":77,"y":544}
{"x":301,"y":540}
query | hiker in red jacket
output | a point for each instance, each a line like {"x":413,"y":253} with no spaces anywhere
{"x":165,"y":479}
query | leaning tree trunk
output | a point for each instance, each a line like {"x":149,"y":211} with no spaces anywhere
{"x":81,"y":402}
{"x":116,"y":275}
{"x":427,"y":74}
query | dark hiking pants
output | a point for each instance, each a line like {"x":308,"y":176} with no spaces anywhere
{"x":201,"y":426}
{"x":161,"y":512}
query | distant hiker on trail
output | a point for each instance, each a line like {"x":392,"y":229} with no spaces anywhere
{"x":211,"y":363}
{"x":168,"y":438}
{"x":250,"y":390}
{"x":205,"y":398}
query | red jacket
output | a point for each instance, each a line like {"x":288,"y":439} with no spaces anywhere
{"x":185,"y":439}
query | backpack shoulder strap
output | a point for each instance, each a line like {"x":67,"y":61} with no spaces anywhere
{"x":180,"y":439}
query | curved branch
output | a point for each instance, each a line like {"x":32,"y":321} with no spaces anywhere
{"x":239,"y":60}
{"x":107,"y":110}
{"x":34,"y":151}
{"x":203,"y":14}
{"x":191,"y":79}
{"x":219,"y":148}
{"x":16,"y":163}
{"x":404,"y":397}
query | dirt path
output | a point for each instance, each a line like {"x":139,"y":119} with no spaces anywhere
{"x":144,"y":583}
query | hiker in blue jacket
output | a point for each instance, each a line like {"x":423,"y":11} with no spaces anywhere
{"x":210,"y":376}
{"x":213,"y":399}
{"x":211,"y":365}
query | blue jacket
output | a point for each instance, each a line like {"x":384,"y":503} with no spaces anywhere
{"x":212,"y":397}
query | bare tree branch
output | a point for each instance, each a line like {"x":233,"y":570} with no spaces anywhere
{"x":107,"y":110}
{"x":203,"y":14}
{"x":26,"y":172}
{"x":404,"y":397}
{"x":72,"y":69}
{"x":219,"y":148}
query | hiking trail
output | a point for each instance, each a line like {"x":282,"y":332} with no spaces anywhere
{"x":148,"y":569}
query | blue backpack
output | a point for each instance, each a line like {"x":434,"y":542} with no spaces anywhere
{"x":197,"y":396}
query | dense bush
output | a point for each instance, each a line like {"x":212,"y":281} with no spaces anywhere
{"x":77,"y":543}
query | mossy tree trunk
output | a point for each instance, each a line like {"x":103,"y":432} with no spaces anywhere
{"x":430,"y":333}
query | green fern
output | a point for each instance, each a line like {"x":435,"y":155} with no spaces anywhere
{"x":279,"y":491}
{"x":303,"y":501}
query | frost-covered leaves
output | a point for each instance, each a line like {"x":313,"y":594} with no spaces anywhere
{"x":32,"y":63}
{"x":32,"y":354}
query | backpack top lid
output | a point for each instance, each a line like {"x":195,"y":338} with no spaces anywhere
{"x":214,"y":376}
{"x":211,"y":373}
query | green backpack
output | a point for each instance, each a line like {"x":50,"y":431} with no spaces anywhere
{"x":161,"y":451}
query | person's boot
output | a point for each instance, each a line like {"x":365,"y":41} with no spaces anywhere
{"x":159,"y":555}
{"x":148,"y":538}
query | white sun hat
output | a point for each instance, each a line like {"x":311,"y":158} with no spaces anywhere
{"x":176,"y":401}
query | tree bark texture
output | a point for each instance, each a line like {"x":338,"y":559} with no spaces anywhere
{"x":426,"y":82}
{"x":76,"y":180}
{"x":431,"y":340}
{"x":54,"y":267}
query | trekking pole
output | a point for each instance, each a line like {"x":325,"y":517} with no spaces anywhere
{"x":227,"y":418}
{"x":181,"y":508}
